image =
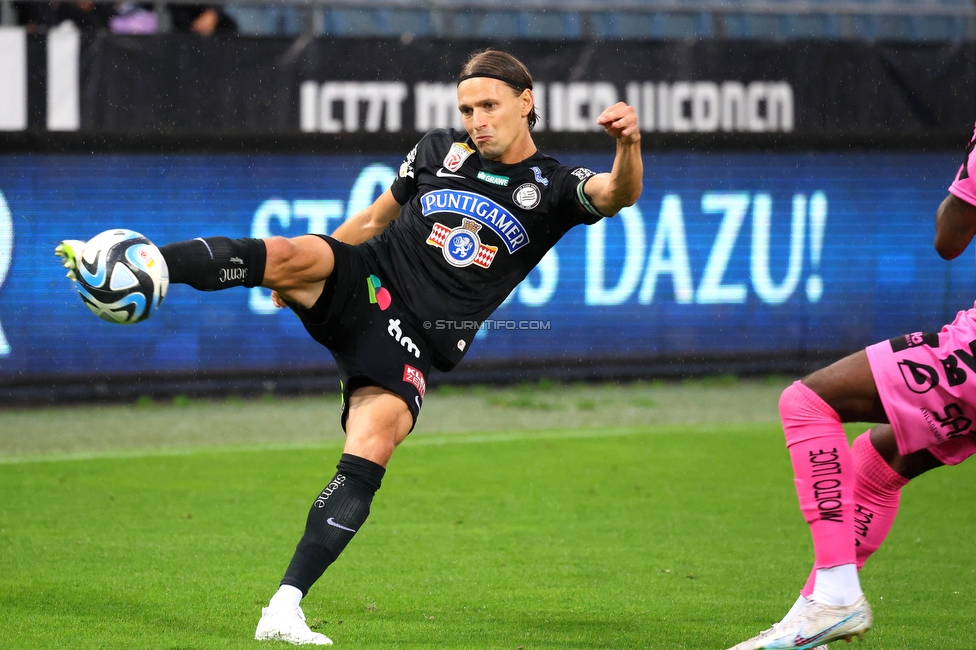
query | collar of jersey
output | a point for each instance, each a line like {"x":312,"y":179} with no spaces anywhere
{"x":495,"y":166}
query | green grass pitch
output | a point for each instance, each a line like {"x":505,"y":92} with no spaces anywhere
{"x":666,"y":534}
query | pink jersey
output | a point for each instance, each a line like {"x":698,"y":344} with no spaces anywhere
{"x":964,"y":186}
{"x":927,"y":384}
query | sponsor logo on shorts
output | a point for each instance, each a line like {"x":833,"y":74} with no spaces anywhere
{"x":405,"y":341}
{"x":456,"y":156}
{"x":481,"y":209}
{"x":377,"y":294}
{"x":914,"y":340}
{"x":527,"y":196}
{"x":539,"y":178}
{"x":461,"y":246}
{"x":918,"y":377}
{"x":493,"y":179}
{"x":413,"y":376}
{"x":948,"y":425}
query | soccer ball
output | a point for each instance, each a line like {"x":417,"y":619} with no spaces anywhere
{"x":122,"y":276}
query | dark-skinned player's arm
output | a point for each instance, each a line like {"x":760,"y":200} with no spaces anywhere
{"x":955,"y":226}
{"x":362,"y":226}
{"x":622,"y":186}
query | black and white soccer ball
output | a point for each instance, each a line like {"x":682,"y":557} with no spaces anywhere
{"x":122,"y":276}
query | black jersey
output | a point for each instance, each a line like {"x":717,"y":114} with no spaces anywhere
{"x":469,"y":231}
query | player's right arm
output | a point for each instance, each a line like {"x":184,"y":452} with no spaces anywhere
{"x":374,"y":219}
{"x":370,"y":222}
{"x":955,"y":220}
{"x":955,"y":227}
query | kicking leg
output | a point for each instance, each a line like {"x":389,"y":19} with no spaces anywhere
{"x":378,"y":421}
{"x":296,"y":268}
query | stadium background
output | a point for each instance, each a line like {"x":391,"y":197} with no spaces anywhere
{"x":794,"y":157}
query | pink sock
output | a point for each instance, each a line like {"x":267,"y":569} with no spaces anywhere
{"x":824,"y":472}
{"x":876,"y":496}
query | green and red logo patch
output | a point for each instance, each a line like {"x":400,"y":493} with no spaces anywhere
{"x":377,"y":294}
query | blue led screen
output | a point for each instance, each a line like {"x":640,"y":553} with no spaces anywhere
{"x":725,"y":253}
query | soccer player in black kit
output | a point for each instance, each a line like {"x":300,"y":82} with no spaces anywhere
{"x":468,"y":216}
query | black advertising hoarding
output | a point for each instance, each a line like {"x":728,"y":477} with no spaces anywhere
{"x":182,"y":84}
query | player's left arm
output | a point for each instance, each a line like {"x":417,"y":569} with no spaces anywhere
{"x":955,"y":227}
{"x":622,"y":186}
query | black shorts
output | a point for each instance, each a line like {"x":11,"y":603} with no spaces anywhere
{"x":373,"y":341}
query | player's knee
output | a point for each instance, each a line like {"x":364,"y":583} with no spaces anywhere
{"x":799,"y":402}
{"x":293,"y":264}
{"x":377,"y":423}
{"x":786,"y":400}
{"x":281,"y":257}
{"x":819,"y":382}
{"x":374,"y":443}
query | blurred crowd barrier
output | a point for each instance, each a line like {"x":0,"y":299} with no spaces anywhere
{"x":869,"y":20}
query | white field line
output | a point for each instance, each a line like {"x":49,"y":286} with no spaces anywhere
{"x":420,"y":440}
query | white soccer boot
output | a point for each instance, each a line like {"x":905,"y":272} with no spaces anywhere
{"x":281,"y":624}
{"x":817,"y":624}
{"x":70,"y":252}
{"x":765,"y":635}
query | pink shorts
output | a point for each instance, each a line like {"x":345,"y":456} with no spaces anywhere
{"x":927,"y":384}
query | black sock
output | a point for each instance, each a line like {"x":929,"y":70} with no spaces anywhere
{"x":216,"y":262}
{"x":334,"y":518}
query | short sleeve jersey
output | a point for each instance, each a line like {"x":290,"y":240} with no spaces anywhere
{"x":964,"y":185}
{"x":469,"y":231}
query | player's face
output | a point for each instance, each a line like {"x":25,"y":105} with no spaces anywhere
{"x":493,"y":115}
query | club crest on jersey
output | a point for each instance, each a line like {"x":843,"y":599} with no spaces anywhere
{"x":456,"y":156}
{"x":462,"y":246}
{"x":527,"y":196}
{"x":481,"y":209}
